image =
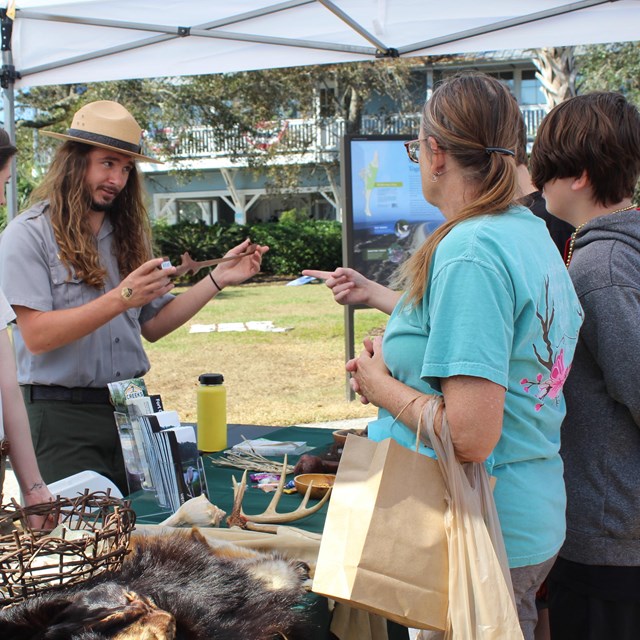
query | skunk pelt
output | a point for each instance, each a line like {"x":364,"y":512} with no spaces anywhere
{"x":172,"y":587}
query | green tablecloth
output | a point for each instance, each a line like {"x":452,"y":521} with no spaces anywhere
{"x":220,"y":484}
{"x":219,"y":481}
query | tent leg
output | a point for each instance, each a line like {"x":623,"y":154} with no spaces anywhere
{"x":7,"y":79}
{"x":10,"y":126}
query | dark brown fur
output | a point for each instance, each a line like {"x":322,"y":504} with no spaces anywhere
{"x":172,"y":587}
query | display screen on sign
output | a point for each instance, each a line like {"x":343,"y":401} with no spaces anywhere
{"x":386,"y":216}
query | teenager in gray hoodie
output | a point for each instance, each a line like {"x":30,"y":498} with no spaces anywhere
{"x":586,"y":161}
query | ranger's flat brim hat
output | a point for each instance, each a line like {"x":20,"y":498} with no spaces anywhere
{"x":107,"y":125}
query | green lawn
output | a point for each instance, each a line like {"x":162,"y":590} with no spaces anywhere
{"x":285,"y":378}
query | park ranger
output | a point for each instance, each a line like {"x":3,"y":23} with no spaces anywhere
{"x":78,"y":269}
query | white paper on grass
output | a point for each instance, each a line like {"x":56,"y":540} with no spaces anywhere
{"x":300,"y":281}
{"x":252,"y":325}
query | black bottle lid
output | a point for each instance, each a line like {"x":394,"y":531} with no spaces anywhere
{"x":211,"y":378}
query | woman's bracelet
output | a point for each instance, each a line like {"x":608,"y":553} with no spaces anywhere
{"x":217,"y":286}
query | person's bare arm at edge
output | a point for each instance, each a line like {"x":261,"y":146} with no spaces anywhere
{"x":186,"y":305}
{"x":45,"y":331}
{"x":351,"y":287}
{"x":16,"y":426}
{"x":475,"y":406}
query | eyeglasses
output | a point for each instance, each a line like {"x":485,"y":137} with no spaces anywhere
{"x":413,"y":150}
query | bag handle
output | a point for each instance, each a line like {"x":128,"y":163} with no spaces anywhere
{"x":406,"y":406}
{"x":441,"y":443}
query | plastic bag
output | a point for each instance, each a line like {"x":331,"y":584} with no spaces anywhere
{"x":481,"y":600}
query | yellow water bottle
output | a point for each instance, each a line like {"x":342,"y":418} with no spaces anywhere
{"x":212,"y":413}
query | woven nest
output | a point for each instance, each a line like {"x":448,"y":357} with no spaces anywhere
{"x":92,"y":536}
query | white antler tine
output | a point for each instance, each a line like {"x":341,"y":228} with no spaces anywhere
{"x":316,"y":507}
{"x":237,"y":518}
{"x":271,"y":509}
{"x":278,"y":518}
{"x":239,"y":487}
{"x":305,"y":498}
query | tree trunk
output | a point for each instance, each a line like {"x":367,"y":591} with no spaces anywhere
{"x":354,"y":112}
{"x":557,"y":73}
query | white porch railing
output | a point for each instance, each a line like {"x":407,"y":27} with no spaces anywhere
{"x":297,"y":136}
{"x":533,"y":115}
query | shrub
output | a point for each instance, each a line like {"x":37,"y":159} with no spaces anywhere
{"x":293,"y":216}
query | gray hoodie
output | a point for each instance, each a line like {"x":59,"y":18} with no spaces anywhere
{"x":601,"y":434}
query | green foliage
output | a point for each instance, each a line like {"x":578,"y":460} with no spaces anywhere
{"x":233,"y":105}
{"x":201,"y":241}
{"x":303,"y":245}
{"x":611,"y":67}
{"x":25,"y":187}
{"x":293,"y":216}
{"x":292,"y":246}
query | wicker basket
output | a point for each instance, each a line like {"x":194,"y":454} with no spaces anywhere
{"x":93,"y":537}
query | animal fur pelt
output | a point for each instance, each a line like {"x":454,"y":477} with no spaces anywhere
{"x":173,"y":587}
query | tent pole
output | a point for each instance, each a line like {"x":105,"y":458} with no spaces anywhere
{"x":7,"y":80}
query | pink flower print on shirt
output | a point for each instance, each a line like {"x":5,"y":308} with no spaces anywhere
{"x":527,"y":384}
{"x":558,"y":376}
{"x":552,"y":386}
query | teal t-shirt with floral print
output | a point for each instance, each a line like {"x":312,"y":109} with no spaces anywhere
{"x":499,"y":305}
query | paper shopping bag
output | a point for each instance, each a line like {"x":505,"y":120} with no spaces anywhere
{"x":384,"y":546}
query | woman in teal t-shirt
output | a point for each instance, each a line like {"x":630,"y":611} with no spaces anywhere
{"x":489,"y":320}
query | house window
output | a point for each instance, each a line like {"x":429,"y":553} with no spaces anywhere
{"x":530,"y":88}
{"x":197,"y":211}
{"x":507,"y":79}
{"x":327,"y":98}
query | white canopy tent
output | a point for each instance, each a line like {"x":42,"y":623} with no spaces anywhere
{"x":54,"y":42}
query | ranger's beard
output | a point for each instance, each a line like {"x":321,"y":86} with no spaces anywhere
{"x":101,"y":206}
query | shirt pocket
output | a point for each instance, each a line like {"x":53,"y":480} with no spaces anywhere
{"x":66,"y":288}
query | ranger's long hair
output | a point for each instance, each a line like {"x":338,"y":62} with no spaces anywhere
{"x":69,"y":202}
{"x":465,"y":115}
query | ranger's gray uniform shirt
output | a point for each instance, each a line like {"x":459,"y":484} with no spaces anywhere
{"x":32,"y":275}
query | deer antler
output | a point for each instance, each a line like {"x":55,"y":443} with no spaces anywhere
{"x":238,"y":518}
{"x":189,"y":265}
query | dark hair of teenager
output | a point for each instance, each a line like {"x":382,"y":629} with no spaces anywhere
{"x":466,"y":115}
{"x":521,"y":147}
{"x":69,"y":201}
{"x":7,"y":150}
{"x":598,"y":133}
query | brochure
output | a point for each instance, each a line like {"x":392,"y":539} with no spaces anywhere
{"x":161,"y":455}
